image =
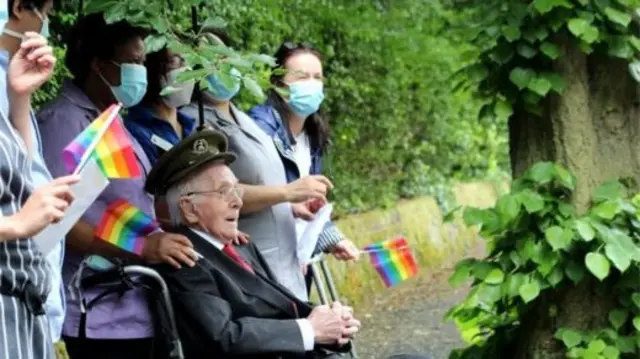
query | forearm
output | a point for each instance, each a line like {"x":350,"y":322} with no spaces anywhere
{"x":8,"y":229}
{"x":81,"y":240}
{"x":19,"y":113}
{"x":257,"y":198}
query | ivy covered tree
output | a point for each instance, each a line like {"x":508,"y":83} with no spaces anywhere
{"x":562,"y":278}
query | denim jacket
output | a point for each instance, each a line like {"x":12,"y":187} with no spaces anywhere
{"x":271,"y":123}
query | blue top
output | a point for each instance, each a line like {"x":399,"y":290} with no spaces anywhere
{"x":270,"y":121}
{"x":55,"y":303}
{"x":147,"y":128}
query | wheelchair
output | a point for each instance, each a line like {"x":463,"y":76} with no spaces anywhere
{"x":125,"y":276}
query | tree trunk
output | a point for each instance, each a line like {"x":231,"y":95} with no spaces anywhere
{"x":593,"y":129}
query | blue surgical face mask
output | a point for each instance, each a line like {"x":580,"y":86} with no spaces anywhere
{"x":305,"y":97}
{"x":133,"y":84}
{"x":218,"y":91}
{"x":44,"y":27}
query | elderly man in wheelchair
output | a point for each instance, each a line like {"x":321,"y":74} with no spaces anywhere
{"x":229,"y":304}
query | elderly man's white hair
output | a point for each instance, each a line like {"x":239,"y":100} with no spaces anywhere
{"x":192,"y":183}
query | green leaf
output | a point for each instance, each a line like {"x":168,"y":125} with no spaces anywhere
{"x":611,"y":190}
{"x":521,"y":77}
{"x":513,"y":284}
{"x":526,"y":51}
{"x":551,"y":50}
{"x":461,"y":273}
{"x":586,"y":232}
{"x":481,"y":269}
{"x":253,"y":87}
{"x":540,"y":85}
{"x":154,"y":43}
{"x":532,"y":201}
{"x":544,"y":6}
{"x":591,"y":34}
{"x":541,"y":172}
{"x":511,"y":33}
{"x":569,"y":337}
{"x":636,"y":323}
{"x":617,"y":318}
{"x":618,"y":256}
{"x":558,"y":237}
{"x":607,"y":210}
{"x":508,"y":207}
{"x":214,"y":22}
{"x":618,"y":16}
{"x":611,"y":352}
{"x":496,"y":276}
{"x":555,"y":277}
{"x":566,"y":178}
{"x":529,"y":291}
{"x":558,"y":84}
{"x":635,"y":297}
{"x":598,"y":265}
{"x":596,"y":346}
{"x":574,"y":271}
{"x":577,"y":26}
{"x":626,"y":344}
{"x":502,"y":109}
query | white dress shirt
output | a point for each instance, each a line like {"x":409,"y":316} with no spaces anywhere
{"x":306,"y":330}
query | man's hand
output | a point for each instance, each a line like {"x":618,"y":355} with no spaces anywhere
{"x":44,"y":206}
{"x":328,"y":326}
{"x":169,"y":248}
{"x":31,"y":66}
{"x":350,"y":323}
{"x":345,"y":250}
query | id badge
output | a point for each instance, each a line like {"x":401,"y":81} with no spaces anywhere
{"x":161,"y":143}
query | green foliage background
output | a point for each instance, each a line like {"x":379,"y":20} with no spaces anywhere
{"x":398,"y":129}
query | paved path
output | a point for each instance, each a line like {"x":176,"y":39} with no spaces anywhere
{"x":408,"y":320}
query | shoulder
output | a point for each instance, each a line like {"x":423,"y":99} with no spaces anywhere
{"x":61,"y":110}
{"x":265,"y":116}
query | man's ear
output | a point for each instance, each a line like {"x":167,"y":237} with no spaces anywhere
{"x":188,"y":210}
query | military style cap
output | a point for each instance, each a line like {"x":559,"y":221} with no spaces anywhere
{"x":186,"y":158}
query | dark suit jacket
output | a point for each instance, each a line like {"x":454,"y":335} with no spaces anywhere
{"x":224,"y":311}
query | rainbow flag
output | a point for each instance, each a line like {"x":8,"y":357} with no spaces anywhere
{"x":107,"y":142}
{"x":393,"y":261}
{"x":125,"y":226}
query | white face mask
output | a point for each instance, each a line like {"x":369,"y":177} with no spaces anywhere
{"x":181,"y":93}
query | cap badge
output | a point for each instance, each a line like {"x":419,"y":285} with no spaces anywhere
{"x":200,"y":146}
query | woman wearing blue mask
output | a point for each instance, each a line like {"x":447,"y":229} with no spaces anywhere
{"x":266,"y":215}
{"x":156,"y":122}
{"x":292,"y":117}
{"x":106,"y":62}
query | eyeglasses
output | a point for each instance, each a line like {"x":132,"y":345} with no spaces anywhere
{"x":225,"y":193}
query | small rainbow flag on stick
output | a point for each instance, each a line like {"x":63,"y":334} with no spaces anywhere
{"x":107,"y":142}
{"x":392,"y":260}
{"x":125,"y":226}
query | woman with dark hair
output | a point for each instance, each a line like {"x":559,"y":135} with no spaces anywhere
{"x":292,"y":117}
{"x":156,"y":122}
{"x":106,"y":61}
{"x":266,"y":215}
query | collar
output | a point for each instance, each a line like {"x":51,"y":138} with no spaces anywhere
{"x":75,"y":94}
{"x":145,"y":117}
{"x":209,"y":238}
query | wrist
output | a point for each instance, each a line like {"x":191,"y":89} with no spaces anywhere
{"x":284,"y":194}
{"x":11,"y":228}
